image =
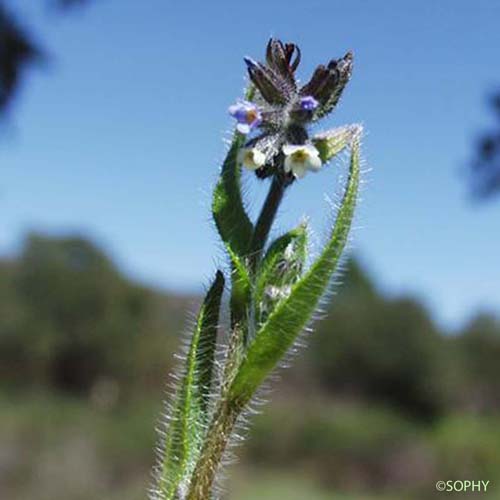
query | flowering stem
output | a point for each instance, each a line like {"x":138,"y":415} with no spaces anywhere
{"x":266,"y":218}
{"x":272,"y":297}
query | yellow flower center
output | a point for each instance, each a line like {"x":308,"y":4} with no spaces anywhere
{"x":300,"y":156}
{"x":248,"y":157}
{"x":251,"y":116}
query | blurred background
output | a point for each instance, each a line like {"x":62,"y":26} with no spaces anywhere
{"x":112,"y":115}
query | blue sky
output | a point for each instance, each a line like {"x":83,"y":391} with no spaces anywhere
{"x":120,"y":135}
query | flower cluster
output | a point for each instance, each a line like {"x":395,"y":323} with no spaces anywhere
{"x":280,"y":111}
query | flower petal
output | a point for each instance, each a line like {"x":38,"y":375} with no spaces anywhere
{"x":299,"y":170}
{"x":288,"y":164}
{"x":233,"y":109}
{"x":251,"y":158}
{"x":259,"y":157}
{"x":289,"y":149}
{"x":310,"y":149}
{"x":308,"y":103}
{"x":243,"y":128}
{"x":314,"y":163}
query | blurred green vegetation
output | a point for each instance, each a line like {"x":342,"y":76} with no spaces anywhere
{"x":381,"y":404}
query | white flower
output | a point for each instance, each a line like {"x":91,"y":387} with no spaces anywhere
{"x":301,"y":158}
{"x":251,"y":158}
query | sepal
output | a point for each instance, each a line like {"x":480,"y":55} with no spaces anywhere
{"x":331,"y":143}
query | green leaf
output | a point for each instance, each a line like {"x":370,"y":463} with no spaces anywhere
{"x":235,"y":227}
{"x":331,"y":143}
{"x":231,"y":219}
{"x":280,"y":269}
{"x":190,"y":409}
{"x":292,"y":314}
{"x":206,"y":331}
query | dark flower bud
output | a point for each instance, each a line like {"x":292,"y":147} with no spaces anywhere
{"x":271,"y":87}
{"x":290,"y":48}
{"x":279,"y":57}
{"x":327,"y":83}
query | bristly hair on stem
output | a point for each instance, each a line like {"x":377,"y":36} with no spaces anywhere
{"x":273,"y":297}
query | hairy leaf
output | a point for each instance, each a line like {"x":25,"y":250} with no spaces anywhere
{"x":231,"y":219}
{"x":206,"y":330}
{"x":292,"y":314}
{"x":191,"y":404}
{"x":234,"y":225}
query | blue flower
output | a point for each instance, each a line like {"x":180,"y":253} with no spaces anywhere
{"x":247,"y":115}
{"x":308,"y":103}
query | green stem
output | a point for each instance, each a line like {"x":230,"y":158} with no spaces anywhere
{"x":211,"y":455}
{"x":266,"y":219}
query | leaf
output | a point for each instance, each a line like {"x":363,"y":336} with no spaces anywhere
{"x":331,"y":143}
{"x":280,"y":269}
{"x":234,"y":225}
{"x":292,"y":314}
{"x":191,"y":405}
{"x":206,"y":330}
{"x":231,"y":219}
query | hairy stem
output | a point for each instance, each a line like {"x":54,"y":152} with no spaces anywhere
{"x":216,"y":441}
{"x":266,"y":218}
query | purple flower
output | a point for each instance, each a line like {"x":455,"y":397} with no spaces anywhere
{"x":308,"y":103}
{"x":247,"y":115}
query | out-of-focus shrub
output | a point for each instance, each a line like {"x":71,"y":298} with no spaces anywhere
{"x":467,"y":447}
{"x":345,"y":446}
{"x":380,"y":349}
{"x":71,"y":320}
{"x":478,"y":365}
